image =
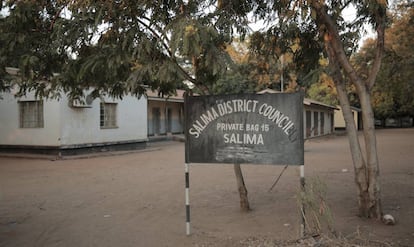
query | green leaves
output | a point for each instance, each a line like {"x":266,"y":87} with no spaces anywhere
{"x":392,"y":93}
{"x":119,"y":47}
{"x":323,"y":91}
{"x":284,"y":51}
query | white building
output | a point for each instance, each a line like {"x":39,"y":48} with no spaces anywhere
{"x":60,"y":127}
{"x":318,"y":118}
{"x":165,"y":115}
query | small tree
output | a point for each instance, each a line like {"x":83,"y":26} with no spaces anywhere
{"x":338,"y":38}
{"x":366,"y":166}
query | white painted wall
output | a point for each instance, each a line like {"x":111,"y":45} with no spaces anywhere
{"x":12,"y":134}
{"x":81,"y":125}
{"x":67,"y":126}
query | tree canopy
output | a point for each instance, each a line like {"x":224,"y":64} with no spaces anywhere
{"x":118,"y":47}
{"x":392,"y":93}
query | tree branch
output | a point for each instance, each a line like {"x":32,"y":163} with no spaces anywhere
{"x":346,"y":5}
{"x":331,"y":36}
{"x":167,"y":49}
{"x":52,"y":24}
{"x":379,"y":50}
{"x":162,"y":36}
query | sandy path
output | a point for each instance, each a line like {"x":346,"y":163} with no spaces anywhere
{"x":137,"y":199}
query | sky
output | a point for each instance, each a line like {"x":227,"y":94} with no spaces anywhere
{"x":349,"y":15}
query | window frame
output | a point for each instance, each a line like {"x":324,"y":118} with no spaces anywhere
{"x":31,"y":114}
{"x":108,"y":115}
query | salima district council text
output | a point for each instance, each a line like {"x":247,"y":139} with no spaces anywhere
{"x":248,"y":106}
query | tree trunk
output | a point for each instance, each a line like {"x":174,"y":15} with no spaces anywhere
{"x":372,"y":197}
{"x":366,"y":170}
{"x":244,"y":200}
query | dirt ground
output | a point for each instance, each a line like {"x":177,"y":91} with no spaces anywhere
{"x":137,"y":199}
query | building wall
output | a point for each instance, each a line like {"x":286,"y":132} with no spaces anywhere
{"x":317,"y":121}
{"x":340,"y":121}
{"x":66,"y":126}
{"x":82,"y":125}
{"x":12,"y":134}
{"x":158,"y":121}
{"x":320,"y":121}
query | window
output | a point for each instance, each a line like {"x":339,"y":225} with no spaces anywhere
{"x":108,"y":115}
{"x":31,"y":114}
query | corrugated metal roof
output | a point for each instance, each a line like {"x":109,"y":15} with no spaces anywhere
{"x":306,"y":101}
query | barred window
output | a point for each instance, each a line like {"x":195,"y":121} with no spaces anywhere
{"x":108,"y":115}
{"x":31,"y":114}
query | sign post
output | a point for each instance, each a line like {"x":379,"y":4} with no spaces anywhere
{"x":302,"y":206}
{"x":243,"y":128}
{"x":187,"y":199}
